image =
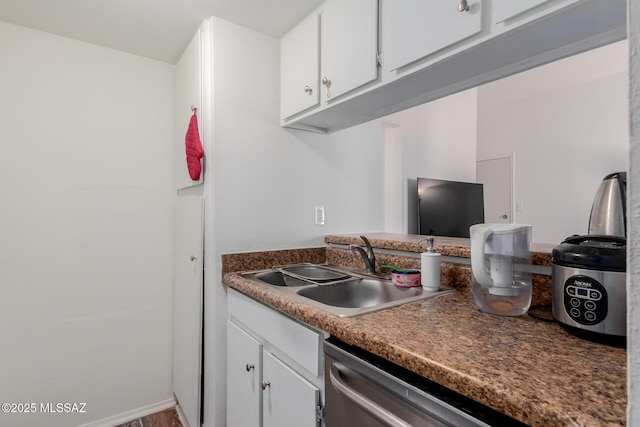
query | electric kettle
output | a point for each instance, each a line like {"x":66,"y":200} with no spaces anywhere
{"x":501,"y":268}
{"x":608,"y":213}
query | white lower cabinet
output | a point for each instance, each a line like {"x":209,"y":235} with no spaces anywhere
{"x":244,"y":377}
{"x":287,"y":399}
{"x":274,"y":368}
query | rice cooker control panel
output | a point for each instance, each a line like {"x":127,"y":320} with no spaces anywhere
{"x":585,"y":300}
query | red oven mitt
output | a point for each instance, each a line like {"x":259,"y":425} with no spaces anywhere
{"x":193,"y":147}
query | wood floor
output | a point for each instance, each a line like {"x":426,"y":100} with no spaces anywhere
{"x":166,"y":418}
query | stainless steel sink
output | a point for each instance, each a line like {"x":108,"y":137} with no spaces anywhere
{"x":339,"y":291}
{"x":271,"y":277}
{"x":359,"y":293}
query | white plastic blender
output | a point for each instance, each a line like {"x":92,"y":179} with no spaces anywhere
{"x":501,"y":267}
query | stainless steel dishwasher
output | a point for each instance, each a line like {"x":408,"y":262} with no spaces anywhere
{"x":364,"y":390}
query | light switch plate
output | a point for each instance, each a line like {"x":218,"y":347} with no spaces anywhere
{"x":319,"y":215}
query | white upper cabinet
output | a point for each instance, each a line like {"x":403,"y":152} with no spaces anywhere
{"x":337,"y":45}
{"x":414,"y":29}
{"x":299,"y":67}
{"x":506,"y":9}
{"x":349,"y":45}
{"x":433,"y":48}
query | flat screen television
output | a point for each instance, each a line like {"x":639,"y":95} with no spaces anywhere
{"x":449,"y":208}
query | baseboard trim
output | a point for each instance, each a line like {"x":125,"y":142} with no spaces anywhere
{"x":181,"y":416}
{"x":133,"y":414}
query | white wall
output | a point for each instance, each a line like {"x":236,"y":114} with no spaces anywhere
{"x":85,"y":226}
{"x":266,"y":180}
{"x":567,"y":125}
{"x":434,"y":140}
{"x":269,"y":179}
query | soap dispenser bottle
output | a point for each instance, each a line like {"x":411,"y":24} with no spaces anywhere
{"x":430,"y":267}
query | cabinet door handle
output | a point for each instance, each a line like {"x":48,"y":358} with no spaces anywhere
{"x":327,"y":84}
{"x":361,"y":401}
{"x":265,"y":384}
{"x":308,"y":89}
{"x":504,"y":216}
{"x":249,"y":367}
{"x":193,"y":258}
{"x":463,"y":6}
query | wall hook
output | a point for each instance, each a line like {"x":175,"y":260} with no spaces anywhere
{"x":194,"y":109}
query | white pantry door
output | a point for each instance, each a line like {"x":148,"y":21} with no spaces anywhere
{"x":187,"y":306}
{"x":497,"y":179}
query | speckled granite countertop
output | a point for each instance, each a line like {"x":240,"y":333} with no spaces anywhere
{"x":449,"y":246}
{"x":531,"y":370}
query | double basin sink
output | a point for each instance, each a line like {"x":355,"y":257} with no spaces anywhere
{"x":339,"y":291}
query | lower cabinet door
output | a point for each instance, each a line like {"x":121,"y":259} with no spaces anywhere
{"x":288,"y":399}
{"x":244,"y":390}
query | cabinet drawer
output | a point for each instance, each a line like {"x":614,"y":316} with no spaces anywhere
{"x":299,"y":342}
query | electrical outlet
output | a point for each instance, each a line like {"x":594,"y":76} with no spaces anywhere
{"x":319,"y":215}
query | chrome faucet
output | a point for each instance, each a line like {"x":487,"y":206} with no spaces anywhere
{"x":368,"y":256}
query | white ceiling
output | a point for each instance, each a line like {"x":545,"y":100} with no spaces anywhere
{"x":159,"y":29}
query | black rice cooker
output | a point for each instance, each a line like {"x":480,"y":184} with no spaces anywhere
{"x":589,"y":287}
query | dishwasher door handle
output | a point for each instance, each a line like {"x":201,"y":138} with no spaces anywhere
{"x":360,"y":400}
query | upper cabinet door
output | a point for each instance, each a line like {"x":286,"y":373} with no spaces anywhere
{"x":349,"y":45}
{"x":299,"y":67}
{"x":414,"y":29}
{"x":502,"y":10}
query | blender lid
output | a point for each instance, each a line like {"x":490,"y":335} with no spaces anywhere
{"x":592,"y":251}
